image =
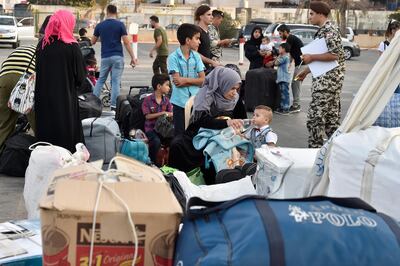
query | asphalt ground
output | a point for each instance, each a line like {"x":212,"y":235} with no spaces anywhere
{"x":291,"y":129}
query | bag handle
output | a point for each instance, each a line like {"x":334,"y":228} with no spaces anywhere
{"x":91,"y":127}
{"x":39,"y":143}
{"x":371,"y":162}
{"x":30,"y":62}
{"x":210,"y":207}
{"x":137,"y":87}
{"x":34,"y":145}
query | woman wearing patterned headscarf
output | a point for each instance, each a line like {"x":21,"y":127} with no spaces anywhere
{"x":60,"y":71}
{"x":213,"y":104}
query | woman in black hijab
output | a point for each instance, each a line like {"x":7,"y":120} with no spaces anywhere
{"x":252,"y":48}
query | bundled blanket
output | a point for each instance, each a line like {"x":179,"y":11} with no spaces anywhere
{"x":224,"y":152}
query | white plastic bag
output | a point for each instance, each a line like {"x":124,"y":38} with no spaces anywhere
{"x":293,"y":163}
{"x":44,"y":160}
{"x":218,"y":192}
{"x":271,"y":168}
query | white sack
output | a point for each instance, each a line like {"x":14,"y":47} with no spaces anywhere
{"x":365,"y":164}
{"x":44,"y":160}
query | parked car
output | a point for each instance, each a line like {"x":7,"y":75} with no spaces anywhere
{"x":145,"y":27}
{"x":9,"y":31}
{"x":172,"y":27}
{"x":272,"y":30}
{"x":26,"y":28}
{"x":349,"y":34}
{"x":247,"y":29}
{"x":351,"y":49}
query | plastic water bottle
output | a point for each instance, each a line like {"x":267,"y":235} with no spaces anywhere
{"x":228,"y":132}
{"x":247,"y":124}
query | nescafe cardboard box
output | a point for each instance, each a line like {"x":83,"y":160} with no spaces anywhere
{"x":67,"y":221}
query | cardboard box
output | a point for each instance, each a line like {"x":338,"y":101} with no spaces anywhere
{"x":67,"y":218}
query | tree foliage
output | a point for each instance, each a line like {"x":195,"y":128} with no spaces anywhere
{"x":77,"y":3}
{"x":228,"y":27}
{"x":395,"y":16}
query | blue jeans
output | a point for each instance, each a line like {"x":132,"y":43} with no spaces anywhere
{"x":285,"y":98}
{"x":115,"y":65}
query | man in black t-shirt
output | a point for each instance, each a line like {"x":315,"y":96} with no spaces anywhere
{"x":295,"y":53}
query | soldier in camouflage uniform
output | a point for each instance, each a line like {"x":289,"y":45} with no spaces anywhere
{"x":324,"y":111}
{"x":213,"y":32}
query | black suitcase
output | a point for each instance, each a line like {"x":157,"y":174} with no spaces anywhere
{"x":129,"y":110}
{"x":261,"y":88}
{"x":121,"y":101}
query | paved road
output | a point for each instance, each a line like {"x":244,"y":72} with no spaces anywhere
{"x":291,"y":129}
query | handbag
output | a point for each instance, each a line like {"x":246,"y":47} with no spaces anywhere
{"x":22,"y":96}
{"x":164,"y":127}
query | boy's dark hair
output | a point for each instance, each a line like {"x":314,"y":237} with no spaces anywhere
{"x":186,"y":30}
{"x":217,"y":13}
{"x":285,"y":46}
{"x":82,"y":32}
{"x":201,"y":10}
{"x":283,"y":28}
{"x":155,"y":19}
{"x":159,"y":79}
{"x":111,"y":9}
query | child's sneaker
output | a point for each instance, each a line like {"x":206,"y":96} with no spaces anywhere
{"x":281,"y":111}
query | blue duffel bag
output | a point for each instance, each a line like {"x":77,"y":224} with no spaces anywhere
{"x":314,"y":231}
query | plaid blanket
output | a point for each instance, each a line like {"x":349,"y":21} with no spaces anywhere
{"x":390,"y":117}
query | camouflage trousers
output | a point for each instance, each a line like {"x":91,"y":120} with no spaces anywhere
{"x":323,"y":116}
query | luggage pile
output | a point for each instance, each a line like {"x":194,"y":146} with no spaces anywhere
{"x":105,"y":136}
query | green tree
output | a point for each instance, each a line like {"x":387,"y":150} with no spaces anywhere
{"x":228,"y":28}
{"x":395,"y":16}
{"x":80,"y":3}
{"x":102,"y":4}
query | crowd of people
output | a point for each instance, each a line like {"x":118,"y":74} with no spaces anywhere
{"x":194,"y":69}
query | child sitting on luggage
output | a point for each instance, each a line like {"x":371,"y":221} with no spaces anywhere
{"x":284,"y":77}
{"x":154,"y":106}
{"x":261,"y":133}
{"x":267,"y":48}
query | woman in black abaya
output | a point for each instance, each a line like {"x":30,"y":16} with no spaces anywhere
{"x":60,"y":71}
{"x":252,"y":48}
